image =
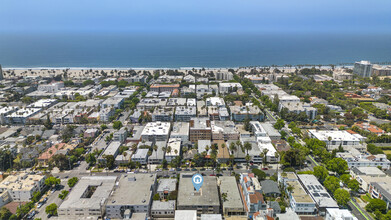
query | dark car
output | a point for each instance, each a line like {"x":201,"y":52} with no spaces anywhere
{"x":186,"y":169}
{"x":178,"y":169}
{"x":265,"y":168}
{"x":203,"y":174}
{"x":202,"y":169}
{"x":219,"y":174}
{"x":361,"y":191}
{"x":194,"y":169}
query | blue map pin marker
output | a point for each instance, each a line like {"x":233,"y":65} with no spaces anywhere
{"x":197,"y":180}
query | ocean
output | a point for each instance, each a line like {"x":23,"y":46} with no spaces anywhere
{"x":176,"y":50}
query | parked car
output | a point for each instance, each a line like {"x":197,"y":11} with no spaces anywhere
{"x":361,"y":191}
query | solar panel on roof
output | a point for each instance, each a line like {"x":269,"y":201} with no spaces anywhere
{"x":316,"y":194}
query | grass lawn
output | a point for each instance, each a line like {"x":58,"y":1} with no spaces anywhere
{"x":366,"y":198}
{"x":387,"y":151}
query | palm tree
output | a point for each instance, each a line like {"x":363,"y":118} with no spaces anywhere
{"x":277,"y":155}
{"x":248,"y":146}
{"x":155,"y":149}
{"x":223,"y":147}
{"x":247,"y":158}
{"x":239,"y":146}
{"x":232,"y":147}
{"x":265,"y":156}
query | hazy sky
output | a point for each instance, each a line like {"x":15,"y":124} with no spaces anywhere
{"x":363,"y":16}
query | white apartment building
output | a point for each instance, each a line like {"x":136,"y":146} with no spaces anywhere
{"x":51,"y":88}
{"x":175,"y":145}
{"x":22,"y":186}
{"x":334,"y":139}
{"x":362,"y":160}
{"x":215,"y":101}
{"x":21,"y":115}
{"x":299,"y":200}
{"x":339,"y":214}
{"x":140,"y":156}
{"x":156,"y":131}
{"x":229,"y":87}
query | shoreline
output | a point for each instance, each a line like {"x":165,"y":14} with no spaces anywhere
{"x":174,"y":68}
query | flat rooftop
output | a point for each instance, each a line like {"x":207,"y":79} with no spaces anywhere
{"x":133,"y":189}
{"x":167,"y":185}
{"x":299,"y":193}
{"x":180,"y":128}
{"x":318,"y":193}
{"x":207,"y":195}
{"x":77,"y":199}
{"x":229,"y":186}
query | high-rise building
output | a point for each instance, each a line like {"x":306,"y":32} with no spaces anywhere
{"x":1,"y":73}
{"x":363,"y":68}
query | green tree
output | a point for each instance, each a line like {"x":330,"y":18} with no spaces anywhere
{"x":259,"y":174}
{"x":51,"y":209}
{"x":354,"y":185}
{"x":156,"y":197}
{"x":103,"y":127}
{"x":321,"y":173}
{"x":376,"y":204}
{"x":337,"y":165}
{"x":117,"y":125}
{"x":5,"y":213}
{"x":331,"y":183}
{"x":48,"y":123}
{"x":279,"y":124}
{"x":63,"y":194}
{"x":109,"y":161}
{"x":52,"y":181}
{"x":72,"y":181}
{"x":90,"y":159}
{"x":345,"y":178}
{"x":342,"y":197}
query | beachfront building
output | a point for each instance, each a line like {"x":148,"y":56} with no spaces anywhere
{"x":51,"y":88}
{"x":164,"y":87}
{"x":363,"y":68}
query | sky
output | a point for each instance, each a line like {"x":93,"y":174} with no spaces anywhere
{"x":158,"y":16}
